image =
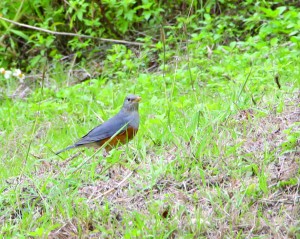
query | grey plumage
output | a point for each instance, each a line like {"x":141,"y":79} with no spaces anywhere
{"x":128,"y":117}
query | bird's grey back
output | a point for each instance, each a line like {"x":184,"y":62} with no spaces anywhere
{"x":120,"y":121}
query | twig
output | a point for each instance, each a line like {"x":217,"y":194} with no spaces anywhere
{"x":69,"y":159}
{"x":244,"y":84}
{"x":116,"y":187}
{"x":71,"y":34}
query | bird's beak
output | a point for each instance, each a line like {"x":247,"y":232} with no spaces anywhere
{"x":138,"y":99}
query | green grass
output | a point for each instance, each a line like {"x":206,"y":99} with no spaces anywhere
{"x":211,"y":158}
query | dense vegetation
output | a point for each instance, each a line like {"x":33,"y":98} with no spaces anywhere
{"x":217,"y":154}
{"x":210,"y":22}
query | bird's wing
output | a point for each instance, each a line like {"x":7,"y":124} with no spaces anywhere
{"x":105,"y":130}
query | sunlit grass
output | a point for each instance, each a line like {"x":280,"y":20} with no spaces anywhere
{"x":201,"y":164}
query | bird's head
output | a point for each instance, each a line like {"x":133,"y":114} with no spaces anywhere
{"x":131,"y":103}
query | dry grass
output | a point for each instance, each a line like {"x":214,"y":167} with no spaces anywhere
{"x":219,"y":205}
{"x":271,"y":215}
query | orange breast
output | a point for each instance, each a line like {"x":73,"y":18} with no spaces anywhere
{"x":119,"y":139}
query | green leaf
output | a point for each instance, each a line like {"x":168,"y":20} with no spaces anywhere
{"x":20,"y":34}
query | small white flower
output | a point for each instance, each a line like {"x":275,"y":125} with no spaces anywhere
{"x":2,"y":71}
{"x":18,"y":73}
{"x":7,"y":74}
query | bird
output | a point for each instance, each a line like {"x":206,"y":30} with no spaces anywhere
{"x":117,"y":130}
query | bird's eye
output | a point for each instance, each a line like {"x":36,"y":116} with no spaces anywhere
{"x":128,"y":99}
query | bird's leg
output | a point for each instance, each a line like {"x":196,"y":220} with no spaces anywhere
{"x":106,"y":151}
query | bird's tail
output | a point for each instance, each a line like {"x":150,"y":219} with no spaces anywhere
{"x":63,"y":150}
